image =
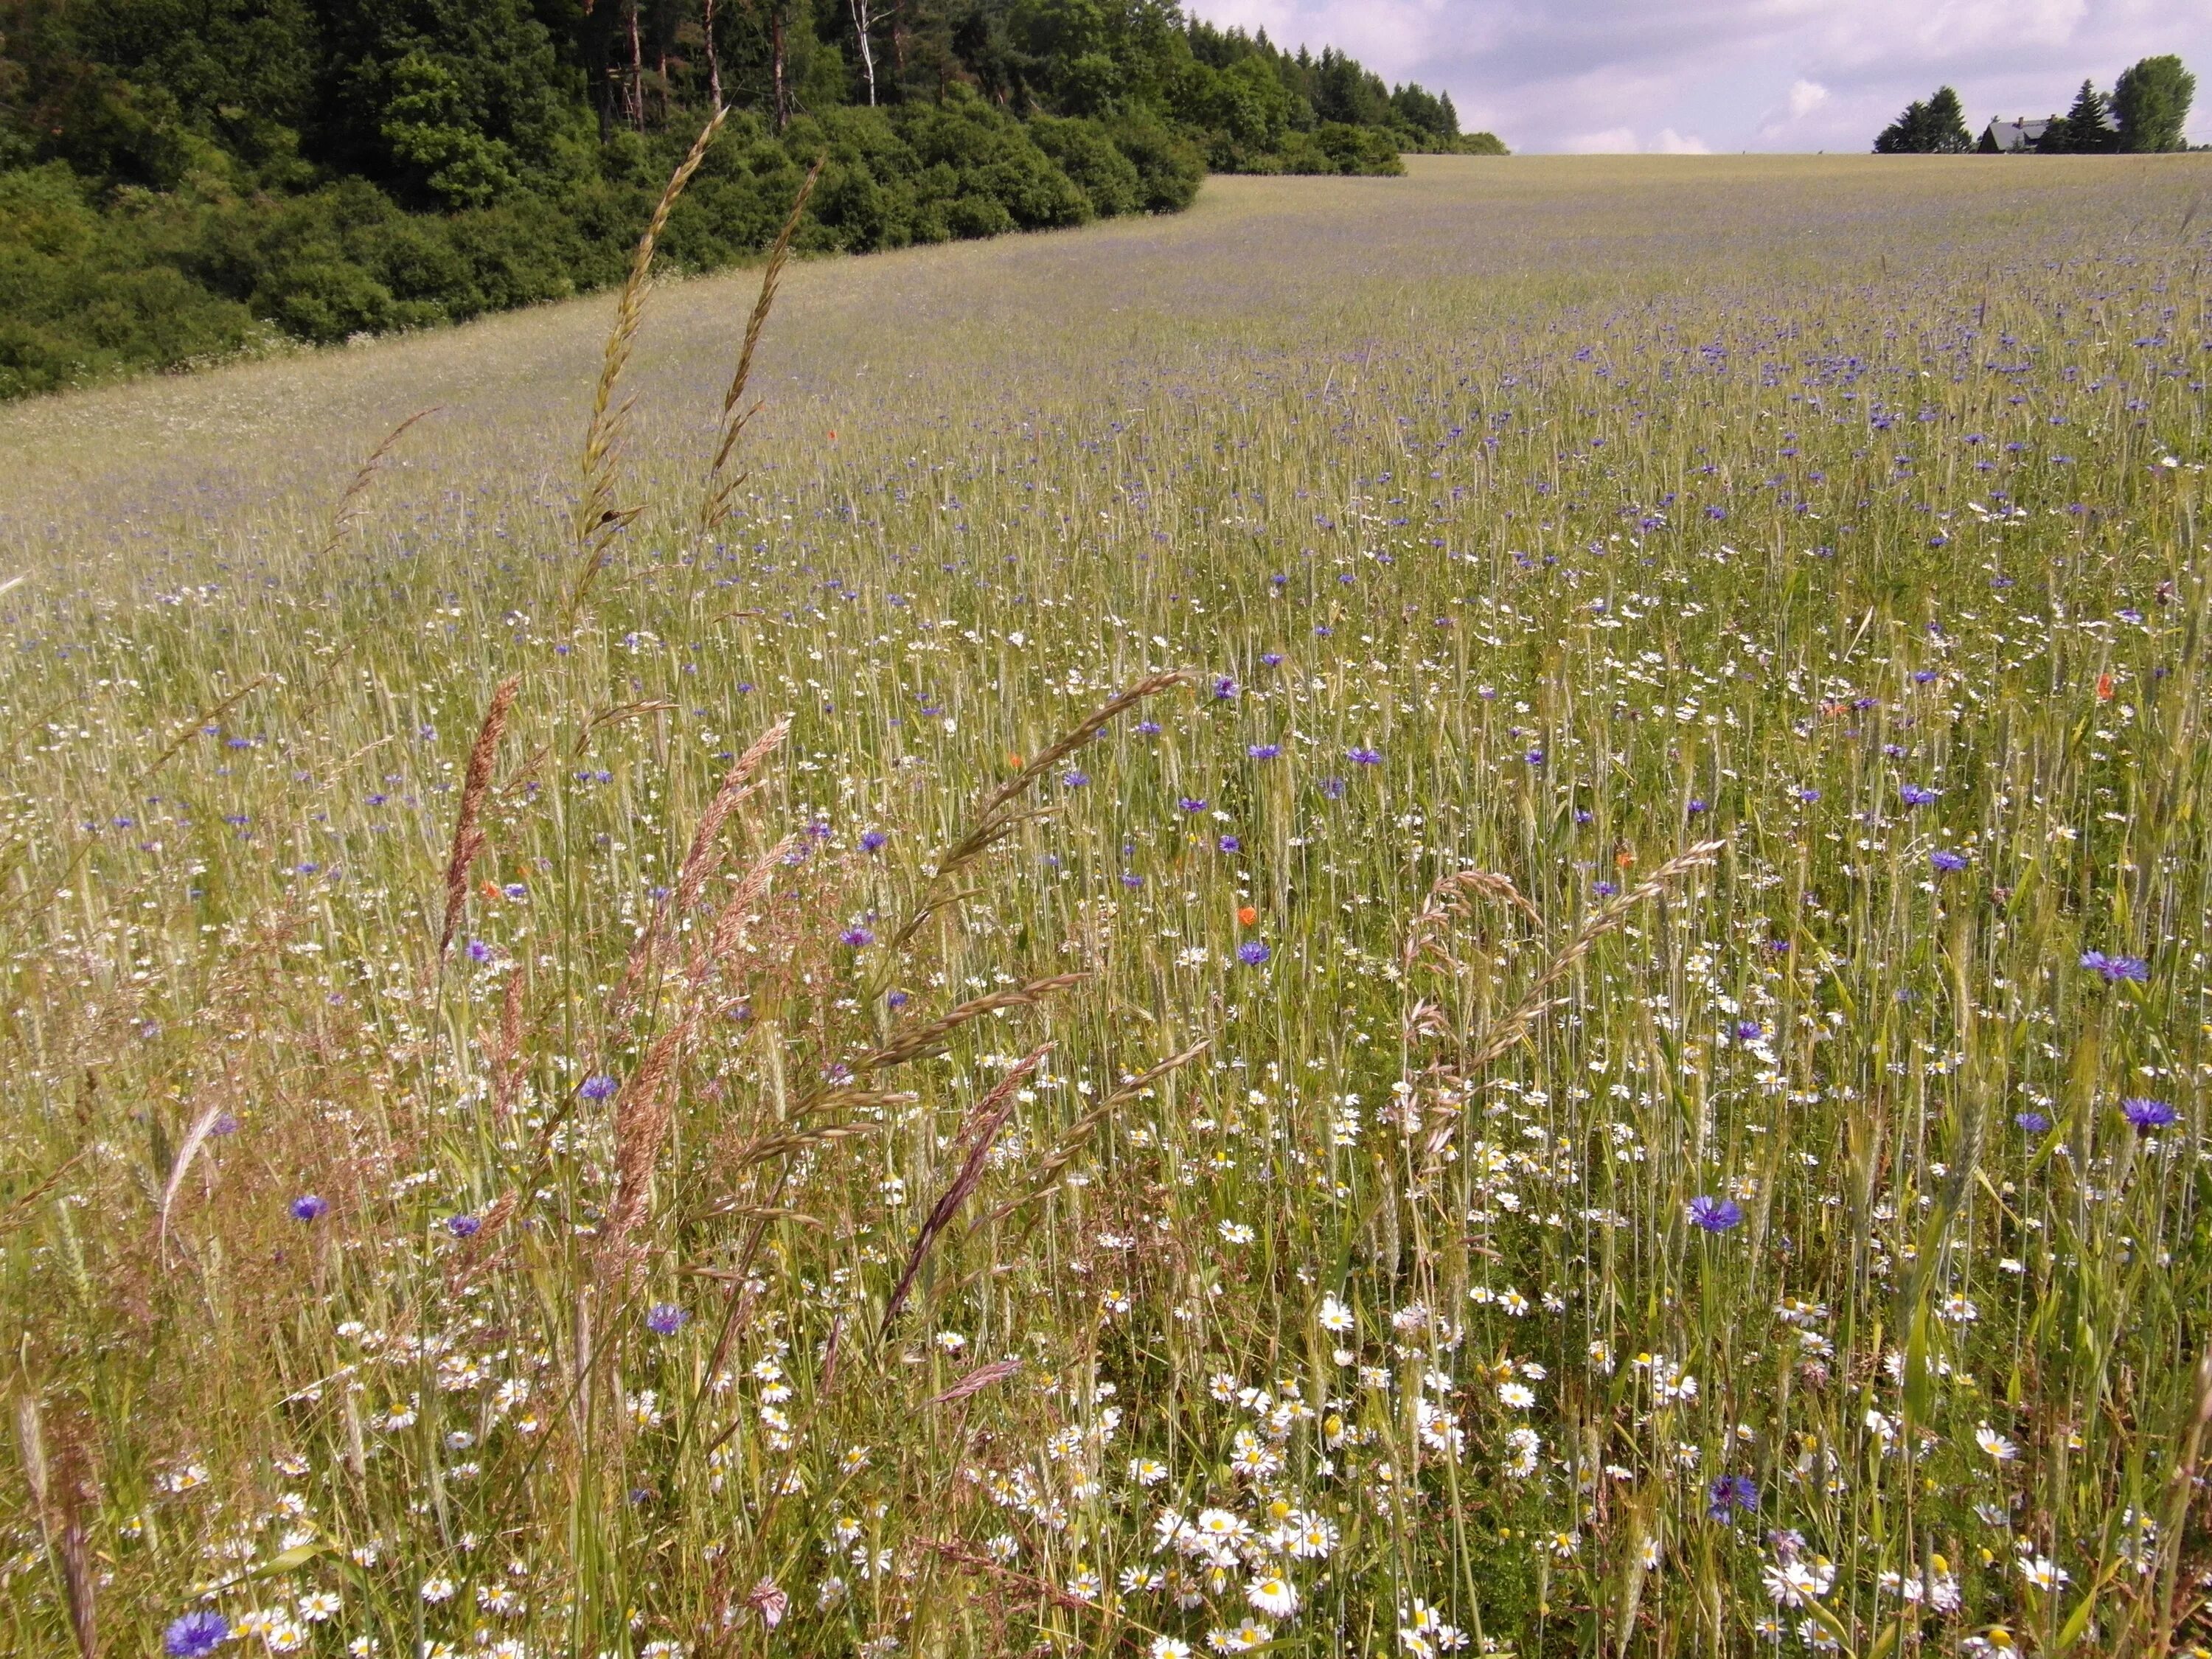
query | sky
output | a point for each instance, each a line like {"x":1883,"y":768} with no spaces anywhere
{"x":1689,"y":76}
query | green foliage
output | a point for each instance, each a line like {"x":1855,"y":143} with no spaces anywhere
{"x":2084,"y":130}
{"x":2151,"y":100}
{"x":1937,"y":127}
{"x":236,"y":171}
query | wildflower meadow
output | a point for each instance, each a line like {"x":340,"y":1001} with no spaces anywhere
{"x":1464,"y":913}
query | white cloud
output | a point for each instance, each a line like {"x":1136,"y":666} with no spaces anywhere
{"x":1671,"y":142}
{"x":1613,"y":141}
{"x":1802,"y":74}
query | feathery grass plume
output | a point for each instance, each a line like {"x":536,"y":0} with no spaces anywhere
{"x":1507,"y":1031}
{"x":354,"y":503}
{"x":507,"y":1052}
{"x":980,"y":1133}
{"x":714,"y":497}
{"x":597,"y":519}
{"x":187,"y":1150}
{"x":700,"y":863}
{"x":976,"y":1381}
{"x":993,"y":822}
{"x":642,"y":1107}
{"x":468,"y":831}
{"x":55,"y":1484}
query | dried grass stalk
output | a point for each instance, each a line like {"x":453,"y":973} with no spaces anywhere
{"x":989,"y":1117}
{"x":714,"y":499}
{"x":642,"y":1108}
{"x":352,"y":504}
{"x":1045,"y":1177}
{"x":476,"y":783}
{"x":976,"y":1381}
{"x":597,"y":519}
{"x":195,"y":1138}
{"x":57,"y":1497}
{"x":1514,"y":1026}
{"x":700,"y":863}
{"x":993,"y":822}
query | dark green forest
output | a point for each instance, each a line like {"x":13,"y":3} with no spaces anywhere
{"x":182,"y":181}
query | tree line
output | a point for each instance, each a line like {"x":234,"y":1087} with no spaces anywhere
{"x":2146,"y":113}
{"x":180,"y":179}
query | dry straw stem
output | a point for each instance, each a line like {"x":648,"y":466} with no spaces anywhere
{"x":714,"y":499}
{"x":352,"y":504}
{"x":1045,"y":1177}
{"x":642,"y":1108}
{"x":1515,"y":1026}
{"x":195,"y":1138}
{"x":476,"y":784}
{"x":700,"y":863}
{"x":992,"y":820}
{"x":976,"y":1381}
{"x":984,"y":1123}
{"x":596,"y":517}
{"x":214,"y":711}
{"x":57,"y":1501}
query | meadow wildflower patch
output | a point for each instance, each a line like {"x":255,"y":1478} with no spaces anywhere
{"x":1412,"y":966}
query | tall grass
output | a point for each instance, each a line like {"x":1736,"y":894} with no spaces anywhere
{"x":1428,"y":967}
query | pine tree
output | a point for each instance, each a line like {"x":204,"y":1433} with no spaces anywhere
{"x":1937,"y":127}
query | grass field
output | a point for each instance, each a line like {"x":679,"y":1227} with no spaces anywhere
{"x":1616,"y":1065}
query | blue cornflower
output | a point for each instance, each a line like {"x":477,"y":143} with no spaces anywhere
{"x":1536,"y":757}
{"x":1914,"y":794}
{"x":2034,"y":1123}
{"x":1749,"y":1031}
{"x":310,"y":1207}
{"x":1271,"y":657}
{"x":1264,"y":750}
{"x":1714,"y":1215}
{"x":1224,"y":688}
{"x":896,"y":1000}
{"x":1605,"y":888}
{"x":1808,"y":796}
{"x":598,"y":1087}
{"x":1131,"y":878}
{"x":463,"y":1226}
{"x":666,"y":1318}
{"x":1363,"y":757}
{"x":1148,"y":728}
{"x":1333,"y":787}
{"x":1075,"y":778}
{"x":2116,"y":968}
{"x":1728,"y":1493}
{"x":2149,"y":1114}
{"x":1696,"y":805}
{"x":1945,"y":861}
{"x":874,"y":840}
{"x":857,"y":937}
{"x":195,"y":1634}
{"x":479,"y":951}
{"x":1231,"y":844}
{"x":1191,"y":804}
{"x":1252,"y":953}
{"x":516,"y":890}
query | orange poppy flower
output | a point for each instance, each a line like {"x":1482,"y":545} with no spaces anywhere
{"x":1246,"y":916}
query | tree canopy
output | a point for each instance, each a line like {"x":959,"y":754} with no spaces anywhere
{"x":177,"y":177}
{"x":1937,"y":127}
